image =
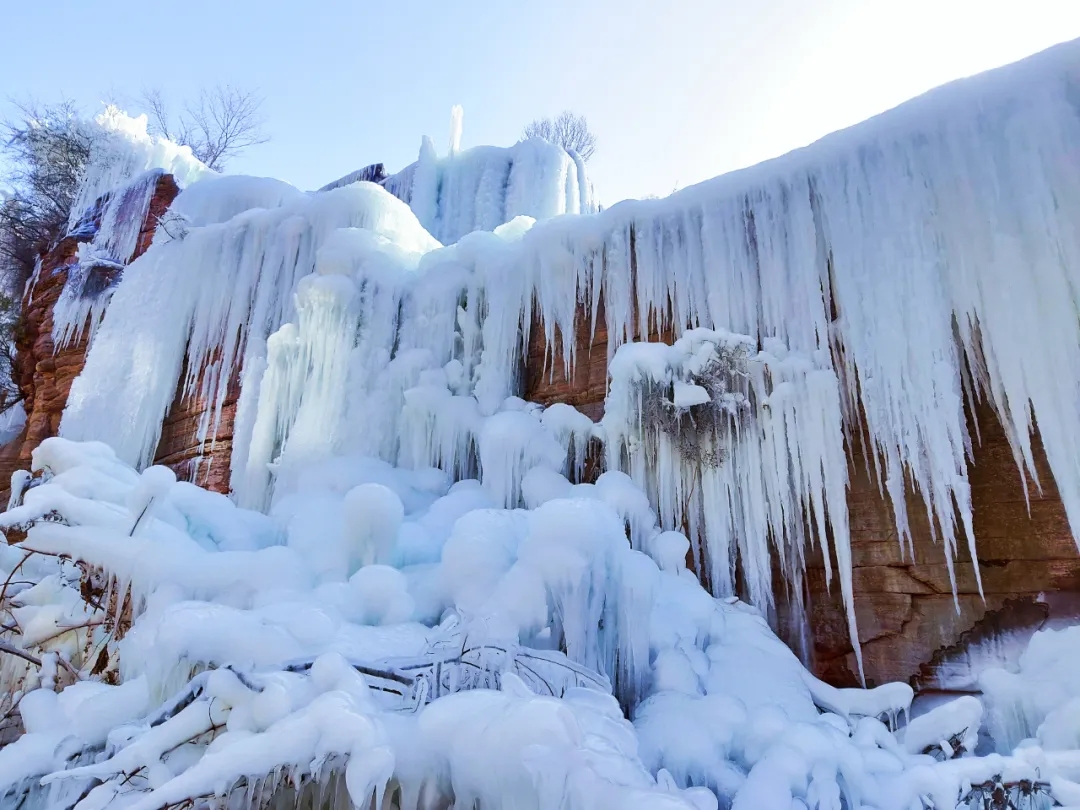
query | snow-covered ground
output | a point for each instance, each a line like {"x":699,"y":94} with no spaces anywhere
{"x":408,"y":597}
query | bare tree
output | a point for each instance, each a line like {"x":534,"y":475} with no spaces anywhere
{"x":567,"y":130}
{"x":220,"y":124}
{"x":45,"y":148}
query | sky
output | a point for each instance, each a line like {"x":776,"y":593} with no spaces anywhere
{"x":676,"y":91}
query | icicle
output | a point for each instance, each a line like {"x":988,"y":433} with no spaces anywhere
{"x":874,"y":269}
{"x":747,"y":448}
{"x":481,"y":188}
{"x":456,"y":114}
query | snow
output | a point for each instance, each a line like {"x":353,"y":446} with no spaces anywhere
{"x":385,"y":631}
{"x":831,"y":269}
{"x":959,"y":718}
{"x":1042,"y":698}
{"x":121,"y":149}
{"x":215,"y":321}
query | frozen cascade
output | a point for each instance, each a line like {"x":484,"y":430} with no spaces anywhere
{"x":430,"y":354}
{"x":86,"y":293}
{"x":121,"y":149}
{"x":310,"y":405}
{"x":486,"y":186}
{"x":883,"y":260}
{"x":738,"y":446}
{"x":214,"y":320}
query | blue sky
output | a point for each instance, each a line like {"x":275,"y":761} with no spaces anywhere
{"x":677,"y":90}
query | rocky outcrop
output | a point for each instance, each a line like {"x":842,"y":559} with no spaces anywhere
{"x":45,"y":372}
{"x":910,"y":626}
{"x":196,"y":438}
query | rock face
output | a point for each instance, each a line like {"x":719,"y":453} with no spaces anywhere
{"x":196,"y":441}
{"x":46,"y":373}
{"x":910,"y":627}
{"x":545,"y":379}
{"x":908,"y":619}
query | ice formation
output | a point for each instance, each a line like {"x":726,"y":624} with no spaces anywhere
{"x":415,"y":593}
{"x":481,"y":188}
{"x":121,"y":149}
{"x":1042,"y":698}
{"x":113,"y":198}
{"x":738,"y":445}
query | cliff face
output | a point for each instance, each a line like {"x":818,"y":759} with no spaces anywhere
{"x":910,"y":627}
{"x":909,"y":624}
{"x":190,"y":420}
{"x":586,"y":387}
{"x":46,"y":372}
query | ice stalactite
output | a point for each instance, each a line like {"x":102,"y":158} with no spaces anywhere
{"x":879,"y":246}
{"x":576,"y":434}
{"x":302,"y":397}
{"x":116,"y":221}
{"x":533,"y":660}
{"x":511,"y":443}
{"x":254,"y":262}
{"x":456,"y":115}
{"x":431,"y":355}
{"x":113,"y":196}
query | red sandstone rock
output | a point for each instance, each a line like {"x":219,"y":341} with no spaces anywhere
{"x":205,"y":463}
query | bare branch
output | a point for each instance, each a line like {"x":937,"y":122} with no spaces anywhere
{"x":218,"y":125}
{"x":19,"y":652}
{"x":567,"y":130}
{"x":7,"y":582}
{"x":157,"y":112}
